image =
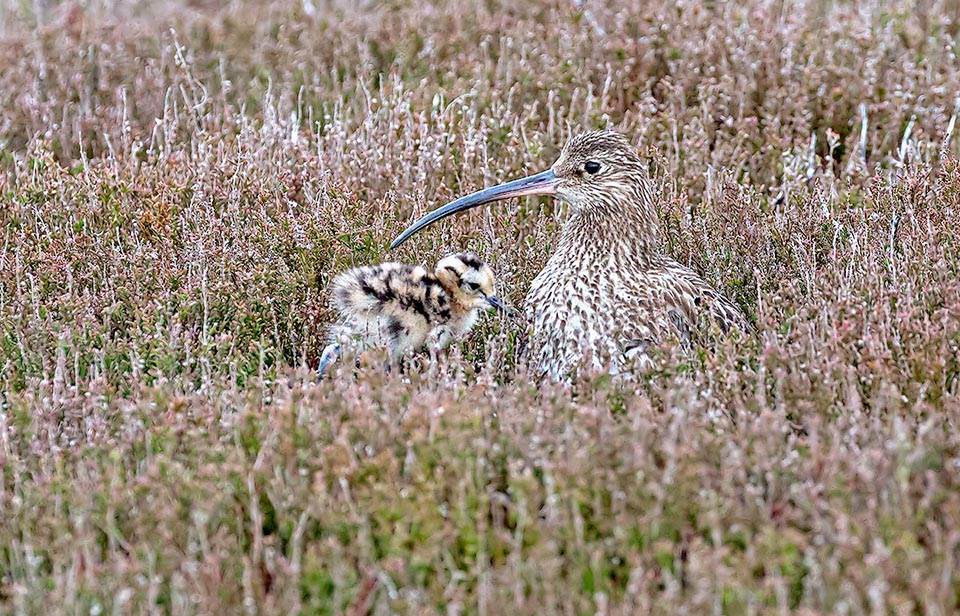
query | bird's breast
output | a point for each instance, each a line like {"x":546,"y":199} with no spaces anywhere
{"x":575,"y":309}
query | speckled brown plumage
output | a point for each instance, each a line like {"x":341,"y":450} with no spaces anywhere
{"x":405,"y":307}
{"x":608,"y":288}
{"x":608,"y":291}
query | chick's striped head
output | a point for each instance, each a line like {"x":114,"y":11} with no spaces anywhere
{"x":468,"y":281}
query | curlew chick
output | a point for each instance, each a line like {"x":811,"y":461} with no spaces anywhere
{"x":405,"y":307}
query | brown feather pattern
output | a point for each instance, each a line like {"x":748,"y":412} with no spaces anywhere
{"x":608,"y":288}
{"x":608,"y":292}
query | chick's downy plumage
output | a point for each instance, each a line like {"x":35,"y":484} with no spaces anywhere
{"x":405,"y":307}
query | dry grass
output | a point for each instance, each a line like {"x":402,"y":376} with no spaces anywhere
{"x":179,"y":182}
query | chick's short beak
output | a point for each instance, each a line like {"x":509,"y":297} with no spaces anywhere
{"x":496,"y":302}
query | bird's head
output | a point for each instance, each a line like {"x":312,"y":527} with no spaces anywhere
{"x":469,"y":282}
{"x":594,"y":169}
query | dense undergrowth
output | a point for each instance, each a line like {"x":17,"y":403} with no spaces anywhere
{"x":180,"y":181}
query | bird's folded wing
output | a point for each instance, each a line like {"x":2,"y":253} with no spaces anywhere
{"x":693,"y":306}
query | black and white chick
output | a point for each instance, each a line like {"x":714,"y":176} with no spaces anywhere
{"x":405,"y":307}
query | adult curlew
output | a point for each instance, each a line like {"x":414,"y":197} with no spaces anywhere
{"x":608,"y":291}
{"x":404,"y":307}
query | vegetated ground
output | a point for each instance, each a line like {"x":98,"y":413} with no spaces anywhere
{"x":179,"y":182}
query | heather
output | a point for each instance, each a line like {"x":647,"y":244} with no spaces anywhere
{"x":179,"y":183}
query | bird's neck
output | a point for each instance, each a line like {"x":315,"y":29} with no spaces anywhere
{"x":460,"y":306}
{"x":613,"y":224}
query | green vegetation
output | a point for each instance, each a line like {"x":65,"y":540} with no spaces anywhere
{"x":179,"y":183}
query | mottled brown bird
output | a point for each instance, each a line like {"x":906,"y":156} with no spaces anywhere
{"x":608,"y":291}
{"x":406,"y":307}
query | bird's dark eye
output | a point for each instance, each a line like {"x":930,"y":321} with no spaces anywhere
{"x":472,"y":286}
{"x":591,"y":167}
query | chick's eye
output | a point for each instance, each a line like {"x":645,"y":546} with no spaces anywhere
{"x":472,"y":286}
{"x":591,"y":167}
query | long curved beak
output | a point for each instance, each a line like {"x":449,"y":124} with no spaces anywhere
{"x":544,"y":183}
